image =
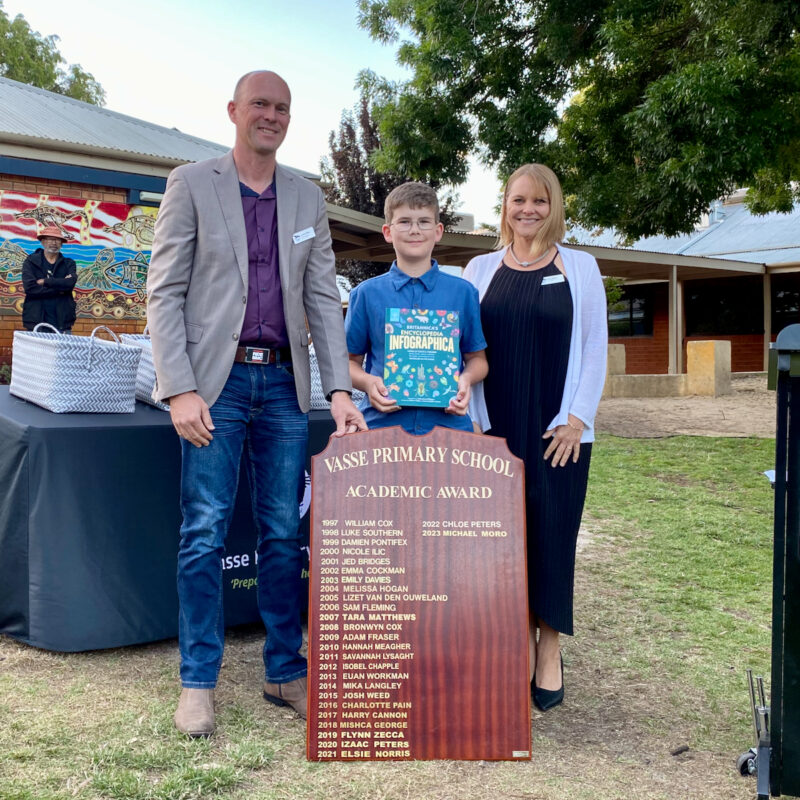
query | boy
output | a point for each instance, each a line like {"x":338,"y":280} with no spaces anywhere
{"x":413,"y":282}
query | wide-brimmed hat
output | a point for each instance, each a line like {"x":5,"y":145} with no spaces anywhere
{"x":53,"y":232}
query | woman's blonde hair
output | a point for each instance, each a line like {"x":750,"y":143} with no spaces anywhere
{"x":554,"y":227}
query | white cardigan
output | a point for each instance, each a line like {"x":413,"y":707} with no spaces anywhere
{"x":588,"y":347}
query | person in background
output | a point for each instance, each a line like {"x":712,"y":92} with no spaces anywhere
{"x":48,"y":278}
{"x":543,"y":310}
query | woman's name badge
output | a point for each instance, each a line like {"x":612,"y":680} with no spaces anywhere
{"x":552,"y":279}
{"x":301,"y":236}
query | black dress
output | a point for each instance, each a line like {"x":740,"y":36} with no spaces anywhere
{"x":527,"y":320}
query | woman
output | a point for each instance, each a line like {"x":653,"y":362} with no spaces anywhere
{"x":543,"y":311}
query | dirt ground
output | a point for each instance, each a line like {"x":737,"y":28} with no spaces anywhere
{"x":613,"y":739}
{"x":748,"y":411}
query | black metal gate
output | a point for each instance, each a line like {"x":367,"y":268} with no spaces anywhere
{"x":784,"y":711}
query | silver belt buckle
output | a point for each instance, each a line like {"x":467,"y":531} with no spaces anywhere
{"x":256,"y":355}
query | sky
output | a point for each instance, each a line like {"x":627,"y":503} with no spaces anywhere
{"x":175,"y":63}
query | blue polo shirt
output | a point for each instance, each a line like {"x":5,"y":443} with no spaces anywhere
{"x":365,"y":328}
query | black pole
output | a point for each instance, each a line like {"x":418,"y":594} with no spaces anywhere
{"x":778,"y":578}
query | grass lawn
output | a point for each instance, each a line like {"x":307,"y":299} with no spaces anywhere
{"x":673,"y":594}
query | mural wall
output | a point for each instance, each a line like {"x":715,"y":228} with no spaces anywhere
{"x":110,"y":243}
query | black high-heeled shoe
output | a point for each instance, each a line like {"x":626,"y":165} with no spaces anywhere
{"x":545,"y":699}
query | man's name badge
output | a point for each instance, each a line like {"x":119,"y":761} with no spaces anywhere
{"x":552,"y":279}
{"x":301,"y":236}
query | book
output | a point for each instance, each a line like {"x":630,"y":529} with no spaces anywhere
{"x":422,"y":360}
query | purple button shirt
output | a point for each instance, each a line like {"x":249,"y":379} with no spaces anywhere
{"x":264,"y":323}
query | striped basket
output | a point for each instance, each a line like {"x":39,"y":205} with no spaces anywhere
{"x":146,"y":375}
{"x":65,"y":373}
{"x":318,"y":400}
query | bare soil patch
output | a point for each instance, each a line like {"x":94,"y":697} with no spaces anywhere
{"x":748,"y":411}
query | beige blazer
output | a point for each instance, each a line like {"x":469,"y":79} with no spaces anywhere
{"x":198,"y":276}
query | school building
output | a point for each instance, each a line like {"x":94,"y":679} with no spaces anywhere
{"x":747,"y":303}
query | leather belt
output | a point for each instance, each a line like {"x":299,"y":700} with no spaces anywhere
{"x":262,"y":355}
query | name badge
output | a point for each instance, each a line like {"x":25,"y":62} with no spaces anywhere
{"x":301,"y":236}
{"x":552,"y":279}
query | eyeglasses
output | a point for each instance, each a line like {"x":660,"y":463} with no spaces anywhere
{"x":405,"y":225}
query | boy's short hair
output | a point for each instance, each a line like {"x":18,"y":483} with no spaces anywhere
{"x":412,"y":194}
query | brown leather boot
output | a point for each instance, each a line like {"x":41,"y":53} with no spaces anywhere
{"x":195,"y":714}
{"x":294,"y":694}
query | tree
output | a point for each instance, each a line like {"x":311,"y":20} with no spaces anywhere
{"x":354,"y":182}
{"x":27,"y":57}
{"x":647,"y":109}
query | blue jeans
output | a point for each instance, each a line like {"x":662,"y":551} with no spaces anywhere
{"x":257,"y":409}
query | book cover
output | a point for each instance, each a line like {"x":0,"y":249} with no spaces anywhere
{"x":422,"y":356}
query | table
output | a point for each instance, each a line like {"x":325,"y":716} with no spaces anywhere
{"x":89,"y":527}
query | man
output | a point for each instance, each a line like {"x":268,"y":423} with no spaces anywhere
{"x":48,"y":279}
{"x":242,"y":258}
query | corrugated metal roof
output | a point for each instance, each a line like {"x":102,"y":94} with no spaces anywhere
{"x":740,"y":232}
{"x":30,"y":112}
{"x":735,"y":234}
{"x":773,"y":258}
{"x":45,"y":119}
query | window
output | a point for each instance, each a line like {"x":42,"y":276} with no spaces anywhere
{"x":724,"y":307}
{"x":785,"y":300}
{"x":632,"y":315}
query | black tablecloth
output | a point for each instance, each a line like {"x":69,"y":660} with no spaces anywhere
{"x":89,"y":527}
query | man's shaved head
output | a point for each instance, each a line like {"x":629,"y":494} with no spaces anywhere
{"x":243,"y":80}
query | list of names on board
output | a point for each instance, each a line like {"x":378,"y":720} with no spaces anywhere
{"x":418,"y":610}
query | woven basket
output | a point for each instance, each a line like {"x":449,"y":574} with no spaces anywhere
{"x":65,"y":373}
{"x":318,"y":400}
{"x":146,"y":374}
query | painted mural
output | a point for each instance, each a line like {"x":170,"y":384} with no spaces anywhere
{"x":110,"y":243}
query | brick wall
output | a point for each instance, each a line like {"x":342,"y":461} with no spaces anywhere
{"x":747,"y":350}
{"x":8,"y":324}
{"x":85,"y":325}
{"x":64,"y":188}
{"x":649,"y":355}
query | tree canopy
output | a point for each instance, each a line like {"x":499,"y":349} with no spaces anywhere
{"x":647,"y":109}
{"x":353,"y":181}
{"x":28,"y":57}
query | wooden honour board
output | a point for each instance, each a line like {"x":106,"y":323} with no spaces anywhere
{"x":418,"y":611}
